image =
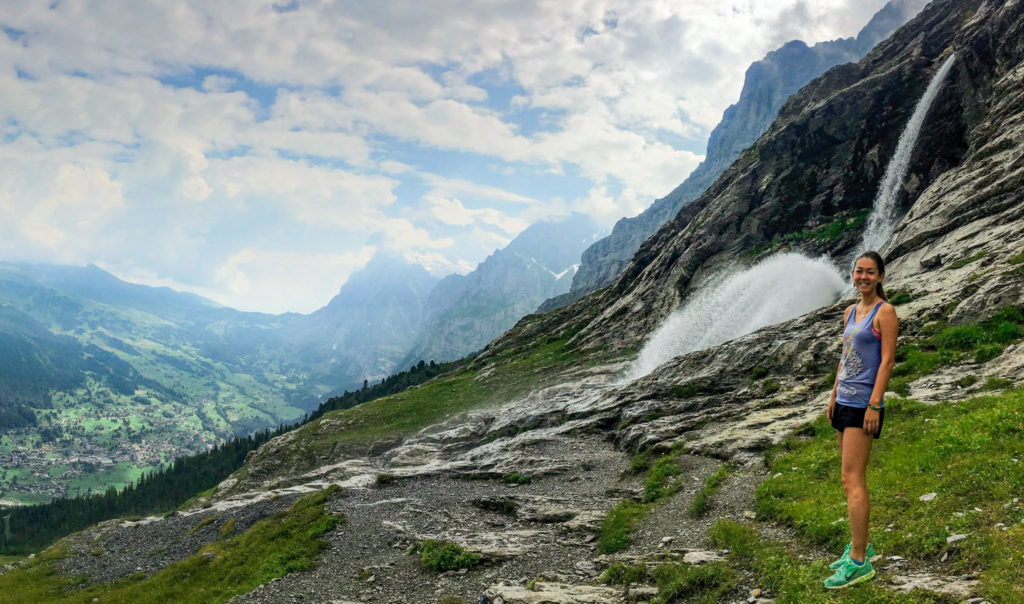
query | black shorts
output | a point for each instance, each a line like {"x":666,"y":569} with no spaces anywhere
{"x":845,"y":416}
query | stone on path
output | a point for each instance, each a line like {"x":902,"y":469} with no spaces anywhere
{"x":957,"y":587}
{"x":554,"y":593}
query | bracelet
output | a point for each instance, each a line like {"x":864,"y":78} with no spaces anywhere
{"x":876,"y":408}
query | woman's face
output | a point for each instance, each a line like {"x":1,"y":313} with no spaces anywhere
{"x":866,"y":275}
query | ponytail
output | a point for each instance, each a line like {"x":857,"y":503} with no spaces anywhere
{"x":877,"y":259}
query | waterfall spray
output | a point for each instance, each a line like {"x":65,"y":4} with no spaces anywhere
{"x":774,"y":290}
{"x":882,"y":221}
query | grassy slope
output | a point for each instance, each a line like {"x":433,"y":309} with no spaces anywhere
{"x":271,"y":548}
{"x":970,"y":453}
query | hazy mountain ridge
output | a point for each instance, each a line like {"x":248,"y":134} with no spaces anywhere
{"x":465,"y":312}
{"x":767,"y":84}
{"x":191,"y":372}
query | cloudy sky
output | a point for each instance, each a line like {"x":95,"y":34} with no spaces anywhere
{"x":258,"y":152}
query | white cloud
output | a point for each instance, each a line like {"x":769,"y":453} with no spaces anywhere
{"x":205,"y":133}
{"x":452,"y":212}
{"x":313,"y":194}
{"x":280,"y":281}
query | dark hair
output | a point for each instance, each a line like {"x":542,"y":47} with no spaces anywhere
{"x":877,"y":259}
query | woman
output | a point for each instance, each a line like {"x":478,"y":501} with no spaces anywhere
{"x":855,"y":408}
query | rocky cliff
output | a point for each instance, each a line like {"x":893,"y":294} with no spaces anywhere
{"x":766,"y":85}
{"x":547,"y":401}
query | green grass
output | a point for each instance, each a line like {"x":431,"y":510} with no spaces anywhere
{"x":704,"y":584}
{"x":965,"y":261}
{"x":439,"y":555}
{"x":791,"y":580}
{"x":948,"y":345}
{"x":702,"y":499}
{"x":227,"y":528}
{"x":515,"y":478}
{"x":996,"y":383}
{"x":899,"y":297}
{"x":963,"y":451}
{"x":1017,"y":259}
{"x":677,"y":582}
{"x":202,"y":523}
{"x":639,"y":463}
{"x":620,"y":573}
{"x":626,"y":517}
{"x":287,"y":542}
{"x":619,"y":524}
{"x":659,"y":482}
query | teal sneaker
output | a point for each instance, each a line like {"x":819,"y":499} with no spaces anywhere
{"x":870,"y":550}
{"x":850,"y":574}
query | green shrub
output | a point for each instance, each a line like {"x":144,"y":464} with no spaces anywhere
{"x":659,"y":479}
{"x":985,"y":354}
{"x":440,"y":555}
{"x":706,"y":583}
{"x":620,"y":573}
{"x":515,"y":478}
{"x":996,"y":383}
{"x":965,"y":261}
{"x":702,"y":499}
{"x":618,"y":524}
{"x":770,"y":387}
{"x":1018,"y":259}
{"x":757,"y":373}
{"x":961,"y":337}
{"x":385,"y":479}
{"x":900,"y":297}
{"x":830,"y":379}
{"x":686,"y":390}
{"x":967,"y":381}
{"x":639,"y":463}
{"x":900,"y":386}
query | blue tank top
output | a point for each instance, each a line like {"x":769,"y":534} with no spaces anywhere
{"x":862,"y":356}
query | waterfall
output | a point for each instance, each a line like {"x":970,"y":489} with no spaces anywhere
{"x":882,"y":220}
{"x":776,"y":289}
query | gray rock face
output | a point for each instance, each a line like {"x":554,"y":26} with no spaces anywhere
{"x":766,"y":85}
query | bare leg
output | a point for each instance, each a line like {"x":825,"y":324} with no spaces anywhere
{"x":855,"y":449}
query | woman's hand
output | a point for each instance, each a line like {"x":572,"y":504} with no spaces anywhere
{"x":831,"y":408}
{"x":870,"y":420}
